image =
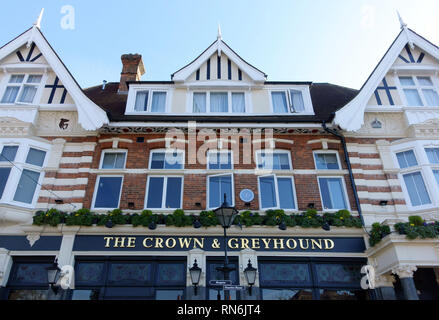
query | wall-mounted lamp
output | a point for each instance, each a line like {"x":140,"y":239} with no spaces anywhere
{"x":250,"y":276}
{"x":53,"y":273}
{"x":195,"y":273}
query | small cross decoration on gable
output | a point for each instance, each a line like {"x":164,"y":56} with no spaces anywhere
{"x":54,"y":87}
{"x":387,"y":89}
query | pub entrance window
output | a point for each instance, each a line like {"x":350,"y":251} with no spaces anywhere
{"x":28,"y":278}
{"x":310,"y":279}
{"x":109,"y":278}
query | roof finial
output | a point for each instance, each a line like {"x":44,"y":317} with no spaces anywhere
{"x":406,"y":31}
{"x":38,"y":22}
{"x":219,"y":37}
{"x":402,"y":23}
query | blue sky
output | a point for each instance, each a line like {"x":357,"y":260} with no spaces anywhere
{"x":337,"y":41}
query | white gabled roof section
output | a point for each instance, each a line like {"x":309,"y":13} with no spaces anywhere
{"x":351,"y":116}
{"x":219,"y":46}
{"x":90,"y":116}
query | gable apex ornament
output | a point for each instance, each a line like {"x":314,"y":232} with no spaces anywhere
{"x":219,"y":39}
{"x":404,"y":28}
{"x":36,"y":24}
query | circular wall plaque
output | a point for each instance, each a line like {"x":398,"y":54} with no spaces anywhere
{"x":246,"y":195}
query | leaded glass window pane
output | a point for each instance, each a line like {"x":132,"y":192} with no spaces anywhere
{"x":284,"y":273}
{"x":338,"y":273}
{"x":171,"y":273}
{"x":130,"y":272}
{"x":31,"y":273}
{"x":90,"y":272}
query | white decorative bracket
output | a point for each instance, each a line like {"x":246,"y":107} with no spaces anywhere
{"x":32,"y":238}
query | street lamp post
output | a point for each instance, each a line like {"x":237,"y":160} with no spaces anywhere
{"x":225,"y":214}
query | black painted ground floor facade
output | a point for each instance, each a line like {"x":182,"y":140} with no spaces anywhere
{"x":156,"y":267}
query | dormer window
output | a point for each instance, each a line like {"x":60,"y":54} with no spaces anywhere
{"x":288,"y":101}
{"x":21,"y":88}
{"x":419,"y":91}
{"x":219,"y":102}
{"x":150,"y":101}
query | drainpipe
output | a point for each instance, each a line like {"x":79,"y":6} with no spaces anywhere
{"x":348,"y":163}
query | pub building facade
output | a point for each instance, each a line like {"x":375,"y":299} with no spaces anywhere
{"x":217,"y":128}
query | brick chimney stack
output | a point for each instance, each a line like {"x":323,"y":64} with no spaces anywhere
{"x":132,"y":70}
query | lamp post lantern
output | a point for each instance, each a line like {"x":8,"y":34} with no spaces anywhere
{"x":225,"y":214}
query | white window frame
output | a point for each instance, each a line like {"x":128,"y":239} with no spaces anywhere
{"x":24,"y":146}
{"x":95,"y":193}
{"x":424,"y":167}
{"x":274,"y":151}
{"x":165,"y":184}
{"x":210,"y":152}
{"x":343,"y":184}
{"x":327,"y":152}
{"x":166,"y":150}
{"x":232,"y":202}
{"x":277,"y":193}
{"x":247,"y":108}
{"x":38,"y":93}
{"x":105,"y":151}
{"x":418,"y":87}
{"x":132,"y":95}
{"x":306,"y":95}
